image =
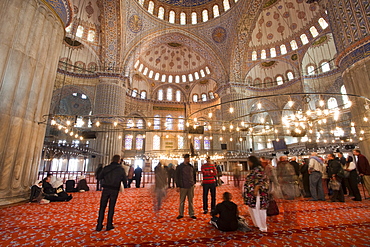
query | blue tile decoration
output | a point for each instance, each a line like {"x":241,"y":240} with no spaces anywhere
{"x":63,"y":10}
{"x":355,"y":56}
{"x":219,"y":34}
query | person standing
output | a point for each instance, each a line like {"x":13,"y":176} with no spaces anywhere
{"x":112,"y":176}
{"x":171,"y":175}
{"x":209,"y":184}
{"x":353,"y":178}
{"x":138,"y":174}
{"x":306,"y":178}
{"x":345,"y":184}
{"x":316,"y":170}
{"x":97,"y":172}
{"x":160,"y":185}
{"x":363,"y":168}
{"x":185,"y":178}
{"x":256,"y":193}
{"x":130,"y":176}
{"x":287,"y":178}
{"x":335,"y":173}
{"x":295,"y":164}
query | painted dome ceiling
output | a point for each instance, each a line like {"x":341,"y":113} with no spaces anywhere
{"x":172,"y":58}
{"x":185,"y":3}
{"x":281,"y":20}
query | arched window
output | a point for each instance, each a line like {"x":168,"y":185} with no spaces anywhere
{"x":182,"y":18}
{"x":272,"y":52}
{"x":191,"y":77}
{"x":345,"y":98}
{"x":226,"y":5}
{"x":263,"y":54}
{"x":211,"y":95}
{"x":169,"y":94}
{"x":69,"y":28}
{"x":171,"y":19}
{"x":157,"y":122}
{"x":156,"y":77}
{"x":141,"y":67}
{"x":325,"y":67}
{"x":139,"y":142}
{"x":290,"y":75}
{"x":207,"y":70}
{"x":196,"y":75}
{"x":143,"y":94}
{"x":151,"y":7}
{"x":178,"y":95}
{"x":140,"y":124}
{"x":195,"y":97}
{"x":136,"y":64}
{"x":332,"y":103}
{"x":91,"y":35}
{"x":163,"y":78}
{"x":323,"y":23}
{"x":151,"y":74}
{"x":216,"y":11}
{"x":279,"y":80}
{"x":180,"y":142}
{"x":202,"y":73}
{"x":304,"y":39}
{"x":254,"y":55}
{"x":145,"y":71}
{"x":128,"y":142}
{"x":204,"y":97}
{"x":314,"y":31}
{"x":130,"y":123}
{"x":310,"y":70}
{"x":207,"y":143}
{"x":283,"y":49}
{"x":183,"y":78}
{"x":156,"y":142}
{"x":161,"y":13}
{"x":197,"y":144}
{"x":169,"y":122}
{"x":193,"y":18}
{"x":205,"y":15}
{"x":80,"y":31}
{"x":134,"y":93}
{"x":294,"y":45}
{"x":141,"y":2}
{"x":170,"y":78}
{"x":181,"y":124}
{"x":177,"y":79}
{"x":160,"y":94}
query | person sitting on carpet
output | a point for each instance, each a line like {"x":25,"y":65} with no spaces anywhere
{"x":71,"y":184}
{"x":36,"y":190}
{"x":228,"y":214}
{"x":55,"y":194}
{"x":82,"y":184}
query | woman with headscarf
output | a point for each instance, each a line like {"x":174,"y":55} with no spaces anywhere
{"x":82,"y":184}
{"x":71,"y":185}
{"x":256,"y":193}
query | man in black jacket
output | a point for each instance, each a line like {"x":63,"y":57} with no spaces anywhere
{"x":185,"y":181}
{"x":111,"y":177}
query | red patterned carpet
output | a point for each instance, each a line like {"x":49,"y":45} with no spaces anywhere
{"x":300,"y":223}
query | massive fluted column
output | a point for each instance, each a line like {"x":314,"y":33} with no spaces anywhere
{"x":31,"y":39}
{"x":110,"y":103}
{"x":350,"y":23}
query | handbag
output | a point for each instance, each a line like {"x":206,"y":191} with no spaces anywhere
{"x":273,"y":208}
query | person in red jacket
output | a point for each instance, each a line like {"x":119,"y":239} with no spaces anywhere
{"x":209,"y":184}
{"x":363,"y":168}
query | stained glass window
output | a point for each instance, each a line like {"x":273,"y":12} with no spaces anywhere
{"x":169,"y":122}
{"x":216,"y":11}
{"x":156,"y":142}
{"x":207,"y":143}
{"x":157,"y":122}
{"x":128,"y":142}
{"x":197,"y":143}
{"x":139,"y":142}
{"x":181,"y":123}
{"x":180,"y":142}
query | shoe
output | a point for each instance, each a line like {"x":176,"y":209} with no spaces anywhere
{"x":193,"y":217}
{"x":110,"y":228}
{"x":99,"y":228}
{"x":69,"y":198}
{"x":354,"y":199}
{"x":205,"y":212}
{"x":179,"y":217}
{"x":313,"y":200}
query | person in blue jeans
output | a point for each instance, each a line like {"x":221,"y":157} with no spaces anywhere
{"x":316,"y":170}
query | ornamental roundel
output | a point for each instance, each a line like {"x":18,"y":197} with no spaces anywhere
{"x":135,"y":24}
{"x":219,"y":34}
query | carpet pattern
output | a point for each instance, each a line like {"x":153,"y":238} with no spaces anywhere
{"x":300,"y":223}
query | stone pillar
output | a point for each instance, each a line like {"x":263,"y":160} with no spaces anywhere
{"x":31,"y":40}
{"x":349,"y":20}
{"x":110,"y":103}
